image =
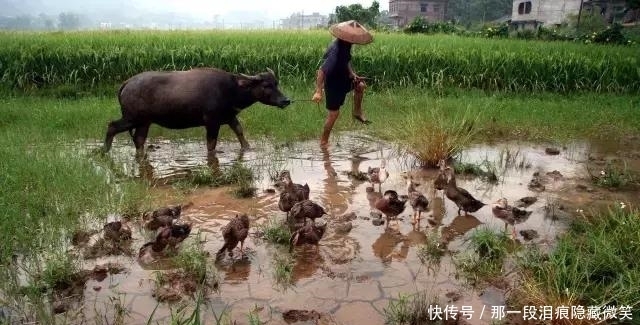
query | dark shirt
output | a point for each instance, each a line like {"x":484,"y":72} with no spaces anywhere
{"x":336,"y":62}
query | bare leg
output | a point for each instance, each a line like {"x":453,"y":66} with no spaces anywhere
{"x":358,"y":94}
{"x":234,"y":124}
{"x":328,"y":126}
{"x":242,"y":248}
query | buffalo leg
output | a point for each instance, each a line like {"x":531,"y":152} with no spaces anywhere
{"x":114,"y":128}
{"x":234,"y":124}
{"x":212,"y":139}
{"x":139,"y":138}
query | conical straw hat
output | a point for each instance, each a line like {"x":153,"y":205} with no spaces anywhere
{"x":352,"y":32}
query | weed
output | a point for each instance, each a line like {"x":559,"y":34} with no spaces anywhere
{"x":587,"y":267}
{"x":59,"y":270}
{"x":613,"y":176}
{"x":283,"y":270}
{"x":430,"y":135}
{"x":489,"y":252}
{"x":276,"y":232}
{"x":431,"y":251}
{"x":415,"y":309}
{"x":194,"y":262}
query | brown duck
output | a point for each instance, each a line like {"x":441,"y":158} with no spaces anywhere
{"x":390,"y":204}
{"x":162,"y":217}
{"x":235,"y":232}
{"x":291,"y":193}
{"x":461,"y":197}
{"x":167,"y":236}
{"x":116,"y":231}
{"x":417,"y":200}
{"x":306,"y":209}
{"x":509,"y":214}
{"x":308,"y":234}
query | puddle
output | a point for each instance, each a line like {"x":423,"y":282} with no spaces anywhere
{"x":356,"y":272}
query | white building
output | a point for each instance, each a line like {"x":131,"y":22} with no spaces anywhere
{"x":534,"y":13}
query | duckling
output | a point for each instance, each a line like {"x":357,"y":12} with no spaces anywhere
{"x":509,"y":214}
{"x":235,"y":231}
{"x":306,"y":209}
{"x":162,"y":217}
{"x":378,"y":175}
{"x":116,"y":231}
{"x":460,"y":196}
{"x":309,"y":234}
{"x":390,"y":205}
{"x":417,"y":200}
{"x":440,"y":183}
{"x":291,"y":192}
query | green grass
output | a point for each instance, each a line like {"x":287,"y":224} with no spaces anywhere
{"x":484,"y":261}
{"x":276,"y":232}
{"x":414,"y":309}
{"x":91,"y":59}
{"x":499,"y":116}
{"x":595,"y":263}
{"x":194,"y":261}
{"x":237,"y":175}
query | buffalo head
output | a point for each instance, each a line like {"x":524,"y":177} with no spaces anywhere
{"x":263,"y":87}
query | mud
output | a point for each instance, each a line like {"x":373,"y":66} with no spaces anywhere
{"x":356,"y":272}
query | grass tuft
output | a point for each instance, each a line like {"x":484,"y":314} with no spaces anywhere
{"x":431,"y":252}
{"x":588,"y":265}
{"x":283,"y":270}
{"x":490,"y":249}
{"x":613,"y":176}
{"x":412,"y":310}
{"x":430,"y":135}
{"x":237,"y":175}
{"x":276,"y":232}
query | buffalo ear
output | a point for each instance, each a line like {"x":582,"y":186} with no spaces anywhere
{"x":247,"y":82}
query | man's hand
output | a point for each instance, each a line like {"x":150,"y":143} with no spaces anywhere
{"x":317,"y":96}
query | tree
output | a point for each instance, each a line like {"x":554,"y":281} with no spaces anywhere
{"x":365,"y":16}
{"x":68,"y":20}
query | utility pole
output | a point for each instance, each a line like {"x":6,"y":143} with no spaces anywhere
{"x":579,"y":15}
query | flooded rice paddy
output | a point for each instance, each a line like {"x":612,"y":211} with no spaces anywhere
{"x":356,"y":271}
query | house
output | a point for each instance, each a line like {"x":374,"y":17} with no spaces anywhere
{"x":302,"y":21}
{"x":527,"y":14}
{"x":402,"y":12}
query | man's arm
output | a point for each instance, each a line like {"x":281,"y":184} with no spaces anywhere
{"x":319,"y":81}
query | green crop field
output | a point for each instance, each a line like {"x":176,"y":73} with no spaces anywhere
{"x":89,"y":59}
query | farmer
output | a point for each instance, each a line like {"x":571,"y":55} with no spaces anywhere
{"x":337,"y":77}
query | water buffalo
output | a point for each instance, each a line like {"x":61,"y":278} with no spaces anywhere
{"x":206,"y":97}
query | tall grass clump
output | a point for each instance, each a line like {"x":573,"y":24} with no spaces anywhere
{"x":414,"y":309}
{"x":594,"y":264}
{"x":430,"y":135}
{"x":276,"y":232}
{"x":486,"y":260}
{"x":97,"y":58}
{"x":237,"y":174}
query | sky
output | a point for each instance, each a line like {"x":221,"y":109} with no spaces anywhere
{"x":273,"y":9}
{"x":200,"y":9}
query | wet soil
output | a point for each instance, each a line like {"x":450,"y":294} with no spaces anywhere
{"x":359,"y":266}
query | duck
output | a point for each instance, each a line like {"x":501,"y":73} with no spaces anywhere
{"x":509,"y":214}
{"x":417,"y":200}
{"x":291,"y":193}
{"x":162,"y":217}
{"x":390,"y":204}
{"x":310,"y":234}
{"x":378,"y":175}
{"x":167,"y":236}
{"x":461,"y":197}
{"x":174,"y":234}
{"x":440,"y":182}
{"x":117,"y":231}
{"x":235,"y":232}
{"x":306,"y":209}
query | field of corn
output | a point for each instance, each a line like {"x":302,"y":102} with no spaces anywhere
{"x":91,"y":59}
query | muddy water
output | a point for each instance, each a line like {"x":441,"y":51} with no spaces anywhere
{"x":355,"y":274}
